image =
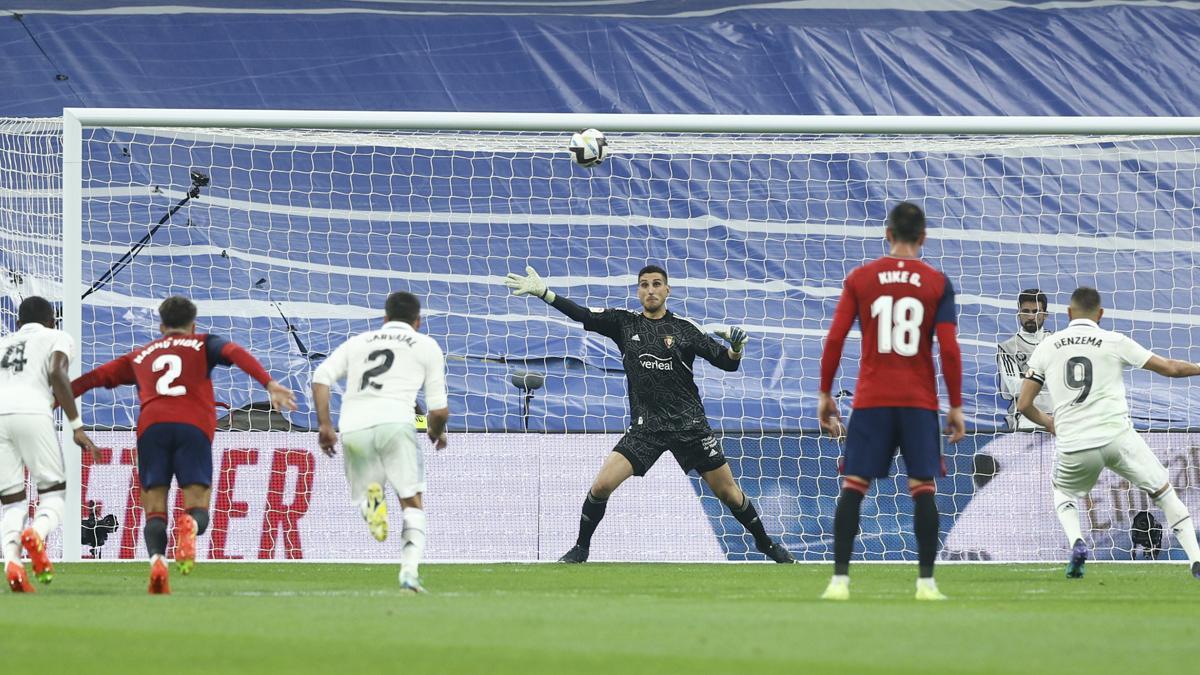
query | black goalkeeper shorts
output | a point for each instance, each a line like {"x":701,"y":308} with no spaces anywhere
{"x":698,"y":451}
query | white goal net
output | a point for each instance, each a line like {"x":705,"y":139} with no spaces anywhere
{"x":297,"y":235}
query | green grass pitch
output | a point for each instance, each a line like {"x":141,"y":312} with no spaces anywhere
{"x":605,"y":618}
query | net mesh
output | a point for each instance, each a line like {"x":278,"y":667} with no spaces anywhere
{"x":312,"y":228}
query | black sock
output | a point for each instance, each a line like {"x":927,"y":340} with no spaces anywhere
{"x":845,"y":529}
{"x":925,"y":526}
{"x":155,"y":534}
{"x":593,"y":513}
{"x":747,"y":515}
{"x":201,"y":517}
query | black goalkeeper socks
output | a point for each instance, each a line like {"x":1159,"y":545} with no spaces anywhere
{"x":593,"y":513}
{"x":845,"y":529}
{"x":747,"y":515}
{"x":925,"y":526}
{"x":201,"y":517}
{"x":155,"y":534}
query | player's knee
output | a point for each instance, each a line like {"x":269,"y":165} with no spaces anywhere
{"x":856,"y":484}
{"x":602,"y":489}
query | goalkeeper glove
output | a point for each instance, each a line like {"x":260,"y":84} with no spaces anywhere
{"x":736,"y":336}
{"x":530,"y":284}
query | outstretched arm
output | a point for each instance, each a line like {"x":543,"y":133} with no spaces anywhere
{"x":532,"y":284}
{"x":831,"y":355}
{"x":111,"y":375}
{"x":1172,"y":367}
{"x":233,"y":354}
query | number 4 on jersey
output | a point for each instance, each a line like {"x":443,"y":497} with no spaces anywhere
{"x":899,"y":328}
{"x":14,"y":358}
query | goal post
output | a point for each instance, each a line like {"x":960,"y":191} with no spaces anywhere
{"x":313,"y":215}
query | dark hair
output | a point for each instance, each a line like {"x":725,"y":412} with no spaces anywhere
{"x":1086,"y":299}
{"x":653,"y":269}
{"x":177,"y":312}
{"x":35,"y":309}
{"x":402,"y":306}
{"x":906,"y":221}
{"x":1032,"y":295}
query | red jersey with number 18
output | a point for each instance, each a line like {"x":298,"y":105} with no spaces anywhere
{"x":899,"y":302}
{"x":172,"y":374}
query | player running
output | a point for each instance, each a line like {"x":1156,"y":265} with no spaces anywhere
{"x":384,"y":370}
{"x":1083,"y":366}
{"x":658,"y":350}
{"x":176,"y":424}
{"x":33,"y":373}
{"x":900,"y":303}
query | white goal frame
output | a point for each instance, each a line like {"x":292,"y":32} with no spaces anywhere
{"x":76,"y":119}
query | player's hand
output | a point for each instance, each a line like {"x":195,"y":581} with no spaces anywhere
{"x":956,"y":426}
{"x":530,"y":284}
{"x":281,"y":396}
{"x":327,"y":438}
{"x":85,"y":442}
{"x":439,"y":440}
{"x":829,"y":417}
{"x":736,"y":336}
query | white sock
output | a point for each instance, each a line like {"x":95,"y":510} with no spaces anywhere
{"x":12,"y":520}
{"x":413,"y":536}
{"x":1180,"y":522}
{"x":840,"y":579}
{"x":927,"y":582}
{"x":49,"y":513}
{"x":1068,"y":515}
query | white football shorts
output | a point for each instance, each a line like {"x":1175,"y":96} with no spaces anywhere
{"x":1075,"y":473}
{"x":29,"y":442}
{"x":384,"y":453}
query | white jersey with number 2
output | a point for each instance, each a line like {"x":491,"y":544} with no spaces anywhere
{"x":384,"y":370}
{"x":1083,"y":367}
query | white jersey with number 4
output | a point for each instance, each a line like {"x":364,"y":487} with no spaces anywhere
{"x":25,"y":368}
{"x":1083,"y":366}
{"x":384,"y":369}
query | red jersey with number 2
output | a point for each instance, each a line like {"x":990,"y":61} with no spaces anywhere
{"x":172,"y":375}
{"x":898,"y":303}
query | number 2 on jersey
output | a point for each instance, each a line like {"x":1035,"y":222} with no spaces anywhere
{"x":899,"y":324}
{"x":368,"y":377}
{"x":174,"y":367}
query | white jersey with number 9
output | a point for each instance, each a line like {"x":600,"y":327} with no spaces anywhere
{"x":1083,"y":367}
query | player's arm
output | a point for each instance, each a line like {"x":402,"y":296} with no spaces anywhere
{"x":945,"y":323}
{"x":604,"y":322}
{"x":435,"y":397}
{"x":60,"y":383}
{"x":725,"y":358}
{"x":831,"y":356}
{"x":332,"y":370}
{"x":1006,"y":370}
{"x":226,"y":353}
{"x":111,"y":375}
{"x":1171,"y":367}
{"x":1030,"y":388}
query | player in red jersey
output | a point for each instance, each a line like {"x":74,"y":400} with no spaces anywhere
{"x":900,"y":303}
{"x":176,"y":424}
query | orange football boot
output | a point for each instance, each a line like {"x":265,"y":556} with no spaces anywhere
{"x":185,"y":543}
{"x":17,"y":580}
{"x":158,"y":577}
{"x":35,"y":546}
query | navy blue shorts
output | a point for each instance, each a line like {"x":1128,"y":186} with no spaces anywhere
{"x":167,"y":449}
{"x":875,"y":433}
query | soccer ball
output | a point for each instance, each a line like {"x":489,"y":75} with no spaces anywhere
{"x":588,"y":147}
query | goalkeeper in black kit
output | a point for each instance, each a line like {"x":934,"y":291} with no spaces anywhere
{"x":658,"y":350}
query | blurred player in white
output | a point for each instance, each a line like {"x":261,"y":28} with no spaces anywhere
{"x":1083,"y":367}
{"x":1012,"y":355}
{"x":384,"y":369}
{"x":33,"y":373}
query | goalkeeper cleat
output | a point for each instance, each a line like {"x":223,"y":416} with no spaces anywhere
{"x":185,"y":544}
{"x":1196,"y":569}
{"x":577,"y":554}
{"x":376,"y":512}
{"x":35,"y":546}
{"x":159,"y":582}
{"x":929,"y":590}
{"x":1079,"y":556}
{"x":17,"y":580}
{"x":778,"y":553}
{"x":838,"y":589}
